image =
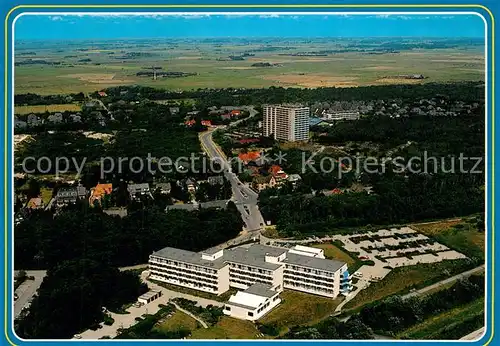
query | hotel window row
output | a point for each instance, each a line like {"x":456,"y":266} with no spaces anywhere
{"x":300,"y":268}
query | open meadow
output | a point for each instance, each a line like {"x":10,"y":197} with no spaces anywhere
{"x":54,"y":68}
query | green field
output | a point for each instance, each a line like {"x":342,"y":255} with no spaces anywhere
{"x":227,"y":328}
{"x":333,"y":252}
{"x":297,"y":309}
{"x":179,"y":320}
{"x":451,"y":324}
{"x":214,"y":70}
{"x":462,"y":235}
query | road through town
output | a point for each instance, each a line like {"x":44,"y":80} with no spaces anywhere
{"x":27,"y":290}
{"x":243,"y":196}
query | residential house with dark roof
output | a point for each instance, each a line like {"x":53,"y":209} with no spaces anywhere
{"x":34,"y":120}
{"x":294,"y":179}
{"x":263,"y":182}
{"x":55,"y":118}
{"x":136,"y":190}
{"x":216,"y":180}
{"x":164,"y":188}
{"x":69,"y":195}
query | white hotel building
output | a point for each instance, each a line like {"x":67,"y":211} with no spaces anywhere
{"x":286,"y":122}
{"x":271,"y":268}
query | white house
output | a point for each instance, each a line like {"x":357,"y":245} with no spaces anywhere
{"x":252,"y":303}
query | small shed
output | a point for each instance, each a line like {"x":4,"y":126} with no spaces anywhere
{"x":148,"y":297}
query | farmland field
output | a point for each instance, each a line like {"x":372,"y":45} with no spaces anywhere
{"x":72,"y":107}
{"x":87,"y":67}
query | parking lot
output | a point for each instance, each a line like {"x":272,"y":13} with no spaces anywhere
{"x":387,"y":249}
{"x":127,"y":320}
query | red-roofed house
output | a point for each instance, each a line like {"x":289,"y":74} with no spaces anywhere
{"x":235,"y":112}
{"x":250,"y":156}
{"x":99,"y":191}
{"x":206,"y":123}
{"x":102,"y":94}
{"x":278,"y":173}
{"x":190,"y":122}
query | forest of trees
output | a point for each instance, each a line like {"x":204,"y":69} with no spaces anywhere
{"x":466,"y":91}
{"x":396,"y":314}
{"x":332,"y":329}
{"x":82,"y":247}
{"x":35,"y":99}
{"x":42,"y":241}
{"x":398,"y":197}
{"x":72,"y":296}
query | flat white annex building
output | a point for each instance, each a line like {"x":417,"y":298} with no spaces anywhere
{"x":300,"y":268}
{"x":286,"y":122}
{"x":252,"y":303}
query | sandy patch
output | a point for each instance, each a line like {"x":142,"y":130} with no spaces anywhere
{"x":398,"y":81}
{"x":189,"y":57}
{"x":312,"y":80}
{"x":98,"y":135}
{"x":99,"y":78}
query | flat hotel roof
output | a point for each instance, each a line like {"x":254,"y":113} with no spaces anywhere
{"x":188,"y":257}
{"x":313,"y":262}
{"x":254,"y":255}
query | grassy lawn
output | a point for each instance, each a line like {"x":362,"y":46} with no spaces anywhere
{"x":461,"y":235}
{"x":333,"y":252}
{"x":403,"y":279}
{"x":178,"y":321}
{"x":434,"y":228}
{"x":46,"y":195}
{"x":227,"y":328}
{"x":452,"y":324}
{"x":271,"y":232}
{"x":299,"y":308}
{"x":72,"y":107}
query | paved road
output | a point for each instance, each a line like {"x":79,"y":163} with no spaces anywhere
{"x":128,"y":320}
{"x":444,"y":282}
{"x":27,"y":290}
{"x":244,"y":197}
{"x":252,"y":112}
{"x":137,"y":266}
